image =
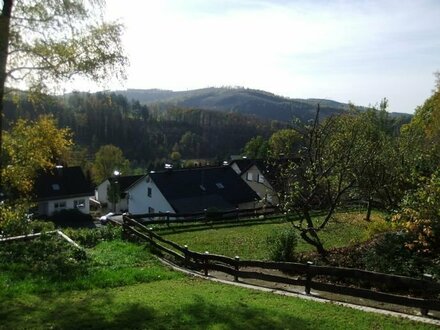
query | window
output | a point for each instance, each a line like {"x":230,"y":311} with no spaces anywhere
{"x":249,"y":176}
{"x":219,"y":185}
{"x":150,"y":210}
{"x":59,"y":205}
{"x":55,"y":187}
{"x":79,"y":203}
{"x":260,"y":178}
{"x":202,"y":187}
{"x":149,"y":192}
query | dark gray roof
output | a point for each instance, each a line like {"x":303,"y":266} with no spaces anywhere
{"x":62,"y":183}
{"x":126,"y":181}
{"x":196,"y":189}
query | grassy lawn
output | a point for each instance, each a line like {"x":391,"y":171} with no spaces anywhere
{"x":249,"y":242}
{"x":124,"y":287}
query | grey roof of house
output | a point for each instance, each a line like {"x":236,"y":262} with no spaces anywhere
{"x":61,"y":183}
{"x":196,"y":189}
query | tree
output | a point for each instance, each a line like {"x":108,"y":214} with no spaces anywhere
{"x":31,"y":146}
{"x":107,"y":160}
{"x":43,"y":43}
{"x":284,"y":143}
{"x":322,"y":174}
{"x":420,"y":216}
{"x":256,"y":148}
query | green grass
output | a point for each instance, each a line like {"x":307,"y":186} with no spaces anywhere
{"x":110,"y":264}
{"x":128,"y":289}
{"x":249,"y":242}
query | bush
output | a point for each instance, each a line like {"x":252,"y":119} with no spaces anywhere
{"x":48,"y":256}
{"x":281,"y":245}
{"x":91,"y":237}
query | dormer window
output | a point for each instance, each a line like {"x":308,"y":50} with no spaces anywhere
{"x":55,"y":187}
{"x":220,"y":185}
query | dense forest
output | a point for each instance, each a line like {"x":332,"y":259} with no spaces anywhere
{"x":146,"y":137}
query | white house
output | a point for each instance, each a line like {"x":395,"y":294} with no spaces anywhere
{"x":123,"y":182}
{"x":256,"y":173}
{"x":190,"y":190}
{"x":62,"y":188}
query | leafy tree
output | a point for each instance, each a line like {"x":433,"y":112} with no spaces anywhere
{"x":420,"y":216}
{"x":31,"y":146}
{"x":107,"y":160}
{"x":284,"y":143}
{"x":256,"y":148}
{"x":322,"y":175}
{"x":43,"y":43}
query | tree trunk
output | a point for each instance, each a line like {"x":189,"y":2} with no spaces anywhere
{"x":310,"y":235}
{"x":5,"y":19}
{"x":369,"y":207}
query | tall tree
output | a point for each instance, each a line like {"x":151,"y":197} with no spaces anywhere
{"x":43,"y":43}
{"x":31,"y":146}
{"x":108,"y":159}
{"x":322,"y":174}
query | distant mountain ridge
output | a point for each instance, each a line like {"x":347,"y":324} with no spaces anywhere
{"x":241,"y":100}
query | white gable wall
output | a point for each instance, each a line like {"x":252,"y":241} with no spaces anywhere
{"x":101,"y":192}
{"x":140,"y":203}
{"x":256,"y":180}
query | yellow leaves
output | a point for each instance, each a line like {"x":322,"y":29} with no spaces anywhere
{"x":32,"y":146}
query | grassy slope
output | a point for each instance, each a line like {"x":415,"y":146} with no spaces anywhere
{"x":249,"y":242}
{"x":183,"y":304}
{"x":157,"y":298}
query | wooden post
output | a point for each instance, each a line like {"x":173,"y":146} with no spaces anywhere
{"x":238,"y":214}
{"x":425,"y":311}
{"x":206,"y":263}
{"x":124,"y":224}
{"x":185,"y":251}
{"x":308,"y":277}
{"x":237,"y":265}
{"x":168,"y":218}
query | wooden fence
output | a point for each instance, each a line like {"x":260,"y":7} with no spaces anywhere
{"x":206,"y":215}
{"x":392,"y":289}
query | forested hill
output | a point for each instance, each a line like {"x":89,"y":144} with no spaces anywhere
{"x":145,"y":137}
{"x":240,"y":100}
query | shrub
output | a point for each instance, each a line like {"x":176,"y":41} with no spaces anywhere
{"x":49,"y":256}
{"x":90,"y":237}
{"x":281,"y":245}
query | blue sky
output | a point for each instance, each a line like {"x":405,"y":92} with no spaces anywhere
{"x":358,"y":51}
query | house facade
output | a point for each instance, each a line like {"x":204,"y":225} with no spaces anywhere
{"x":123,"y":182}
{"x":62,"y":188}
{"x":190,"y":190}
{"x":256,"y":175}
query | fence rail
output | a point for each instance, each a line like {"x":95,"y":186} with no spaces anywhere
{"x":393,"y":289}
{"x":235,"y":214}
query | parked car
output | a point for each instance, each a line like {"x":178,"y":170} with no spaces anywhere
{"x":104,"y":219}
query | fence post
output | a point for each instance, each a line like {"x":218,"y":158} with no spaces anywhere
{"x":237,"y":265}
{"x":206,"y":263}
{"x":124,"y":224}
{"x":185,"y":251}
{"x":238,"y":214}
{"x":308,"y":277}
{"x":425,"y":311}
{"x":168,"y":218}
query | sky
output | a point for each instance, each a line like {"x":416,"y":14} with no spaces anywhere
{"x":359,"y":51}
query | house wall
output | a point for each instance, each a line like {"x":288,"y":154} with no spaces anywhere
{"x":102,"y":196}
{"x":256,"y":180}
{"x":101,"y":192}
{"x":140,"y":203}
{"x":49,"y":207}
